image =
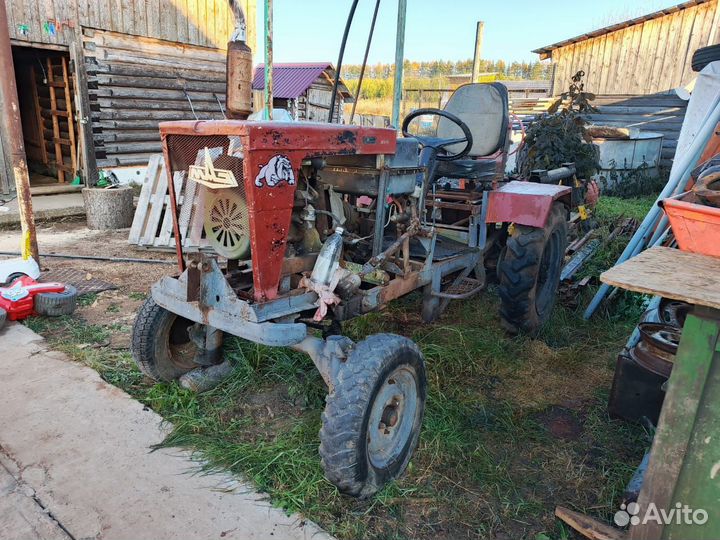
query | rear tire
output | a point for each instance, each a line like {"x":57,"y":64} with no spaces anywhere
{"x":530,"y":272}
{"x":3,"y":317}
{"x":703,"y":56}
{"x":161,"y":345}
{"x":372,"y":419}
{"x":56,"y":304}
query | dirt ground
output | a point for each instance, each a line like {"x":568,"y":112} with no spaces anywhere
{"x":132,"y":280}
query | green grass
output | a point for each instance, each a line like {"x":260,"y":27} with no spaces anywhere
{"x":488,"y":462}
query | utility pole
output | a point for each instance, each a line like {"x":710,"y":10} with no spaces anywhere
{"x":10,"y":110}
{"x":399,"y":59}
{"x":268,"y":92}
{"x":478,"y":51}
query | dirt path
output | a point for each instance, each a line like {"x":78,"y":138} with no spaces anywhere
{"x":80,"y":449}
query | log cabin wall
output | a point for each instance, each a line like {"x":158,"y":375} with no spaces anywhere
{"x":135,"y":83}
{"x":646,"y":55}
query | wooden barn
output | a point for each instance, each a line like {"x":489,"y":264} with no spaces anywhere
{"x":634,"y":66}
{"x":95,"y":77}
{"x":304,"y":90}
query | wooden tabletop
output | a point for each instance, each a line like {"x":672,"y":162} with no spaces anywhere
{"x":670,"y":273}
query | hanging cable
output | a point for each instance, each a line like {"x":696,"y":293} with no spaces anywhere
{"x":338,"y":68}
{"x":191,"y":103}
{"x":364,"y":63}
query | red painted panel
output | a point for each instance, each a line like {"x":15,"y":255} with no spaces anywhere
{"x":524,"y":203}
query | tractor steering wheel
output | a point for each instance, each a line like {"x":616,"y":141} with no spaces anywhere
{"x":439,"y":143}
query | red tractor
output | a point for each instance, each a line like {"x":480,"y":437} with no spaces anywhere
{"x":313,"y":224}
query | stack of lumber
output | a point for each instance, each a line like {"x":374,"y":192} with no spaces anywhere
{"x":134,"y":83}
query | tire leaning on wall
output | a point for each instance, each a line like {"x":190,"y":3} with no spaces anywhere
{"x":703,"y":56}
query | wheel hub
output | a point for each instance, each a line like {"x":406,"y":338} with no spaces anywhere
{"x":392,"y":417}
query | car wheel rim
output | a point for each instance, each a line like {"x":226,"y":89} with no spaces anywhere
{"x":392,"y":417}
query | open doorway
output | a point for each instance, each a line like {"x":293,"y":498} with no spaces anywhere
{"x":46,"y":93}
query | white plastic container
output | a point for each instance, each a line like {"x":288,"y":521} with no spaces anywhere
{"x":328,"y":260}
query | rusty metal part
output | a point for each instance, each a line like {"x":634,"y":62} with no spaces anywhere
{"x":525,"y":203}
{"x":273,"y":155}
{"x":707,"y":187}
{"x":13,"y":141}
{"x":657,"y":347}
{"x":673,"y":312}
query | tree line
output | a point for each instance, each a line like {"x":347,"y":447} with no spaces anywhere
{"x":441,"y":68}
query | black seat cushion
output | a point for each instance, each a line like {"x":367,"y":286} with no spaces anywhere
{"x":472,"y":169}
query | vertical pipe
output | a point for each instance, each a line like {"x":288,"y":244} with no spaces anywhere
{"x":478,"y":51}
{"x":364,"y":64}
{"x":399,"y":59}
{"x":267,"y":91}
{"x":10,"y":110}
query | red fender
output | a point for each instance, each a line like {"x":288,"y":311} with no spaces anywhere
{"x":525,"y":203}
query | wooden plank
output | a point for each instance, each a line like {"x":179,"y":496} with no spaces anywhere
{"x":155,"y":71}
{"x":140,"y":18}
{"x":71,"y":122}
{"x":655,"y":81}
{"x":148,"y":188}
{"x":151,"y":93}
{"x":589,"y":527}
{"x":648,"y":273}
{"x":166,"y":230}
{"x":673,"y":55}
{"x":159,"y":83}
{"x":684,"y":54}
{"x":157,"y":200}
{"x":83,"y":101}
{"x":192,"y":20}
{"x":154,"y":46}
{"x":128,"y":16}
{"x":181,"y":21}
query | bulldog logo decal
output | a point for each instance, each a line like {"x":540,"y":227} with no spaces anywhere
{"x":278,"y":170}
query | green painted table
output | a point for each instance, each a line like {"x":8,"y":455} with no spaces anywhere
{"x":684,"y":469}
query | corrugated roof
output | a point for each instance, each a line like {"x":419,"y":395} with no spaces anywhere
{"x":291,"y":80}
{"x":619,"y":26}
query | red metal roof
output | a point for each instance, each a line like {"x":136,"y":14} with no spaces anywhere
{"x":291,"y":80}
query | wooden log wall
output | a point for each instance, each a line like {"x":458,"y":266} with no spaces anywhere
{"x":208,"y":23}
{"x":662,"y":113}
{"x":136,"y":83}
{"x":644,"y":58}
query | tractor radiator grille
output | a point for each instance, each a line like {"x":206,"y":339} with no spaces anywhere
{"x":207,"y":167}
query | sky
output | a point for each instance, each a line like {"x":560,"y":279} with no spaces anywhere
{"x":311,"y":30}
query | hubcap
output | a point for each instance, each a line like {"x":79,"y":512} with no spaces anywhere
{"x":392,"y":417}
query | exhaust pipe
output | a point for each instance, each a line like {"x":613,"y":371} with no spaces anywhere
{"x":239,"y":68}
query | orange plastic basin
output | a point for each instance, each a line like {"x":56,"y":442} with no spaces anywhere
{"x":696,"y":227}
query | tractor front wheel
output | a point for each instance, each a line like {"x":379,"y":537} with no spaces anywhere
{"x":371,"y":423}
{"x":530,"y":272}
{"x":161,"y":343}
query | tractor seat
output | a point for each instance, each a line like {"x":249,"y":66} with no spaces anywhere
{"x":484,"y":108}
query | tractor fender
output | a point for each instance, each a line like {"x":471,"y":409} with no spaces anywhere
{"x":525,"y":203}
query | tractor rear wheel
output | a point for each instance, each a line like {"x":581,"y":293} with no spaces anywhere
{"x":530,"y":272}
{"x":371,"y":423}
{"x":161,"y":343}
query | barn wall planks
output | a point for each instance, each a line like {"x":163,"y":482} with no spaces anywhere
{"x":207,"y":23}
{"x":644,"y":58}
{"x":135,"y":83}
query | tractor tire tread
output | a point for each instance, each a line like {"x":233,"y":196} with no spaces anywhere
{"x":518,"y":272}
{"x":345,"y":409}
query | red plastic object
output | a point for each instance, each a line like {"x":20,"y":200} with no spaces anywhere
{"x":696,"y":227}
{"x":18,"y":300}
